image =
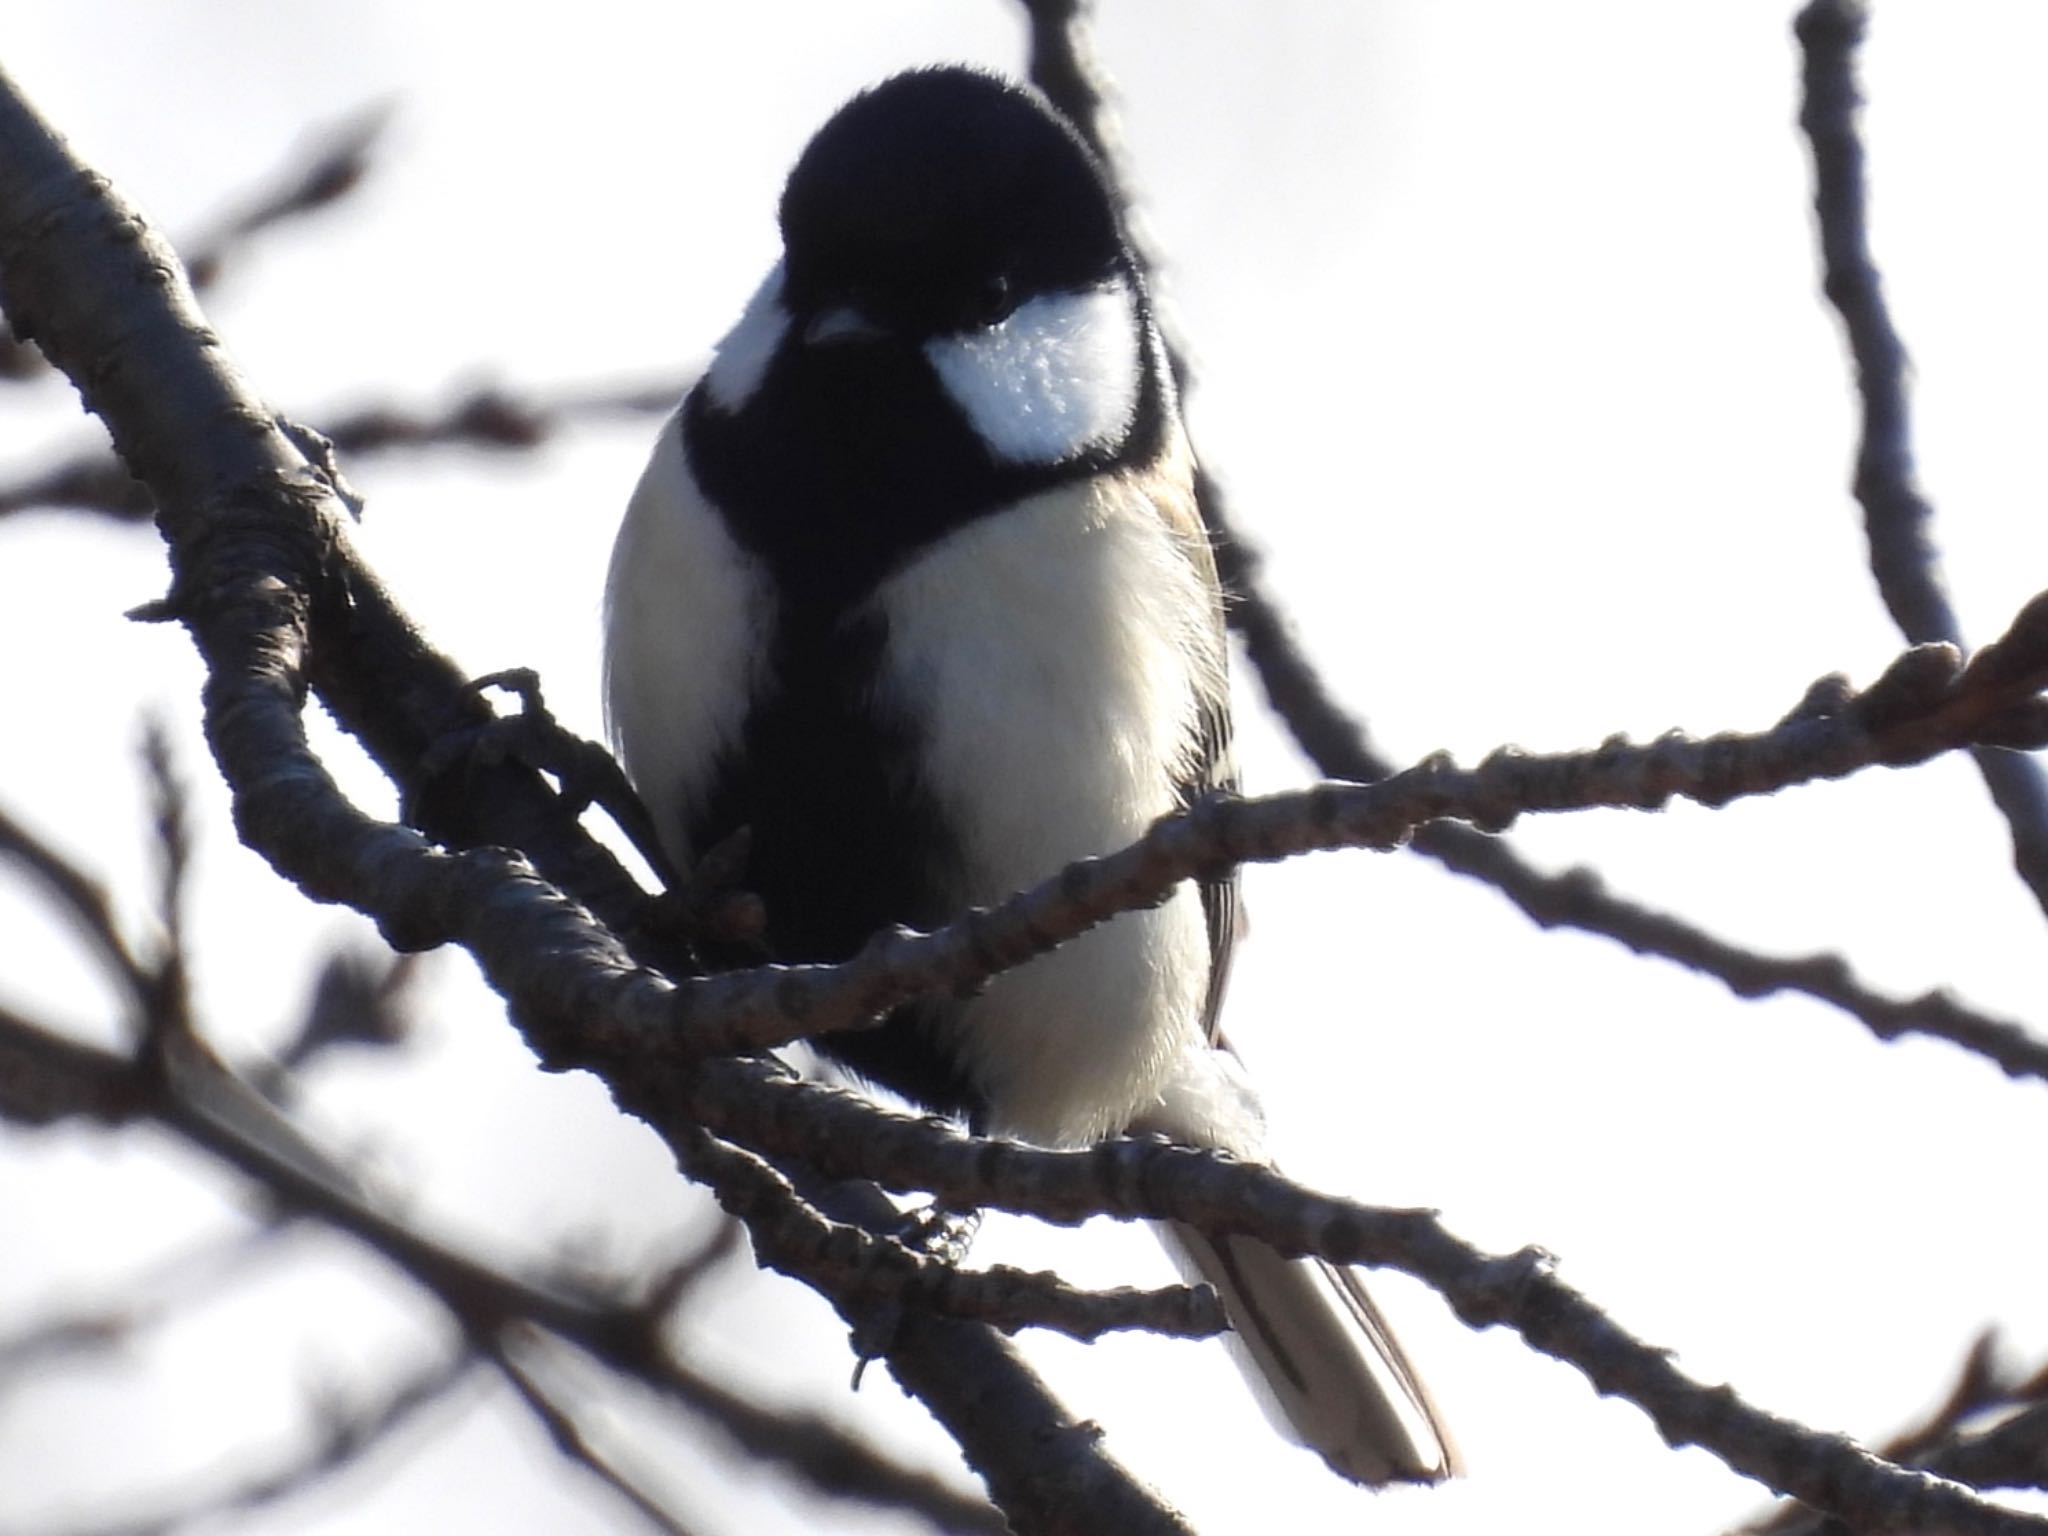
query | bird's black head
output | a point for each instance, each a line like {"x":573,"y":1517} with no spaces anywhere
{"x":940,"y":200}
{"x":956,"y":324}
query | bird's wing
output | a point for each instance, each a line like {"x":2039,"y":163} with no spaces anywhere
{"x":1213,"y":764}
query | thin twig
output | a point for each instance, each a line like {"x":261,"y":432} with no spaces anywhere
{"x":1064,"y":67}
{"x":968,"y":1379}
{"x":1151,"y":1180}
{"x":569,"y":1438}
{"x":1897,"y":516}
{"x":328,"y":164}
{"x":1576,"y":898}
{"x":843,"y":1261}
{"x":359,"y":998}
{"x":343,"y":1439}
{"x":625,"y":1336}
{"x":1991,"y":1431}
{"x":1923,"y":700}
{"x":146,"y":1300}
{"x":81,"y":900}
{"x":488,"y":419}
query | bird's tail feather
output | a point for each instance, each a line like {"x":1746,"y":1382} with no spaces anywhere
{"x":1321,"y":1359}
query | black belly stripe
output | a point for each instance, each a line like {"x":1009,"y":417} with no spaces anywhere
{"x":843,"y":842}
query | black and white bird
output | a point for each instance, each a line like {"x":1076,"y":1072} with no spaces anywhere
{"x":914,"y":589}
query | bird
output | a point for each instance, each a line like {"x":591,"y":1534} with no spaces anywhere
{"x":915,"y":597}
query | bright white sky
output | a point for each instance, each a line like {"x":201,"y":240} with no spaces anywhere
{"x":1513,"y":360}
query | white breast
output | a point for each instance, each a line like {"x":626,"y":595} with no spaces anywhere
{"x":1055,"y":656}
{"x":688,"y":616}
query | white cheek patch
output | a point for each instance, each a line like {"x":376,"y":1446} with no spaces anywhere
{"x":741,"y":361}
{"x":1058,"y":377}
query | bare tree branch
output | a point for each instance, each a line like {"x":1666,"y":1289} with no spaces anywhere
{"x":576,"y":1446}
{"x":358,"y":999}
{"x":143,"y":1301}
{"x":1926,"y":701}
{"x":81,"y":900}
{"x":624,"y":1336}
{"x":175,"y":1080}
{"x":1578,"y":898}
{"x":1064,"y":67}
{"x":1897,"y":517}
{"x":845,"y":1261}
{"x":45,"y":1078}
{"x":1990,"y":1432}
{"x":343,"y":1437}
{"x":491,"y":418}
{"x":330,"y":163}
{"x":1151,"y":1180}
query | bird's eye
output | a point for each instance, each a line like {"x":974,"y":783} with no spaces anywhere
{"x":993,"y":300}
